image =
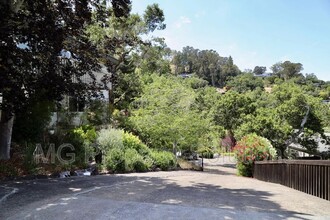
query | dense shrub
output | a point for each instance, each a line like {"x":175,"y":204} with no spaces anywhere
{"x":131,"y":141}
{"x":134,"y":162}
{"x":205,"y":152}
{"x":115,"y":160}
{"x":163,"y":160}
{"x":110,"y":138}
{"x":82,"y":138}
{"x":7,"y":169}
{"x":86,"y":132}
{"x":252,"y":148}
{"x":125,"y":152}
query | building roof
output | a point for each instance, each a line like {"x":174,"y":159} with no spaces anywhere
{"x":263,"y":75}
{"x":185,"y":75}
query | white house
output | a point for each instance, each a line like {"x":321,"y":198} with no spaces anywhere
{"x":76,"y":106}
{"x":302,"y":152}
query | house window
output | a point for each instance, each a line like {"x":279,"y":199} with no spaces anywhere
{"x":76,"y":104}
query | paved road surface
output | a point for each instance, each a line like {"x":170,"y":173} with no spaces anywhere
{"x":214,"y":194}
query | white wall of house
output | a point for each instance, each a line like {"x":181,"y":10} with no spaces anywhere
{"x":322,"y":147}
{"x":77,"y":111}
{"x":76,"y":119}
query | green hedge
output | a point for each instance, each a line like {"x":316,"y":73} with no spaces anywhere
{"x":163,"y":160}
{"x":205,"y":152}
{"x":125,"y":152}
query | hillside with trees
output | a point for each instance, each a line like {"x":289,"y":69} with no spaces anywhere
{"x":161,"y":101}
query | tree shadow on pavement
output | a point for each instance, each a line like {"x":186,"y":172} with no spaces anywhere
{"x":218,"y":172}
{"x":234,"y":201}
{"x":140,"y":190}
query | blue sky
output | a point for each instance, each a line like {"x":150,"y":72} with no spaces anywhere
{"x":253,"y":32}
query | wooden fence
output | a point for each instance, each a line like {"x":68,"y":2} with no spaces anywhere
{"x":309,"y":176}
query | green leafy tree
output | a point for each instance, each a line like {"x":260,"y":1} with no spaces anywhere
{"x":259,"y":70}
{"x":209,"y":66}
{"x":228,"y":71}
{"x":325,"y":93}
{"x":30,"y":124}
{"x":121,"y":39}
{"x":231,"y":109}
{"x":206,"y":64}
{"x":164,"y":115}
{"x":289,"y":116}
{"x":287,"y":70}
{"x":266,"y":123}
{"x":154,"y":17}
{"x":206,"y":101}
{"x":153,"y":58}
{"x":186,"y":60}
{"x":44,"y":55}
{"x":245,"y":82}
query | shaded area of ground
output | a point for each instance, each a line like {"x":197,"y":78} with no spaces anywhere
{"x":214,"y":194}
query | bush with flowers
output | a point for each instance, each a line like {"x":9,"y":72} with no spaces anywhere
{"x":252,"y":148}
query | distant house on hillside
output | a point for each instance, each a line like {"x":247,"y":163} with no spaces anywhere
{"x":185,"y":75}
{"x":301,"y":152}
{"x":264,"y":75}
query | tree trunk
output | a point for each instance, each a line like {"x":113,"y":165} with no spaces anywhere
{"x":175,"y":148}
{"x":213,"y":81}
{"x":6,"y":128}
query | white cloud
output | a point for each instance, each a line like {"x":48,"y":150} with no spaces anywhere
{"x":182,"y":21}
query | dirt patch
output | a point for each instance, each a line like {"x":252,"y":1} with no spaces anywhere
{"x":188,"y":165}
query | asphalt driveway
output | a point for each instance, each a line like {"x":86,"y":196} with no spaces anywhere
{"x":216,"y":193}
